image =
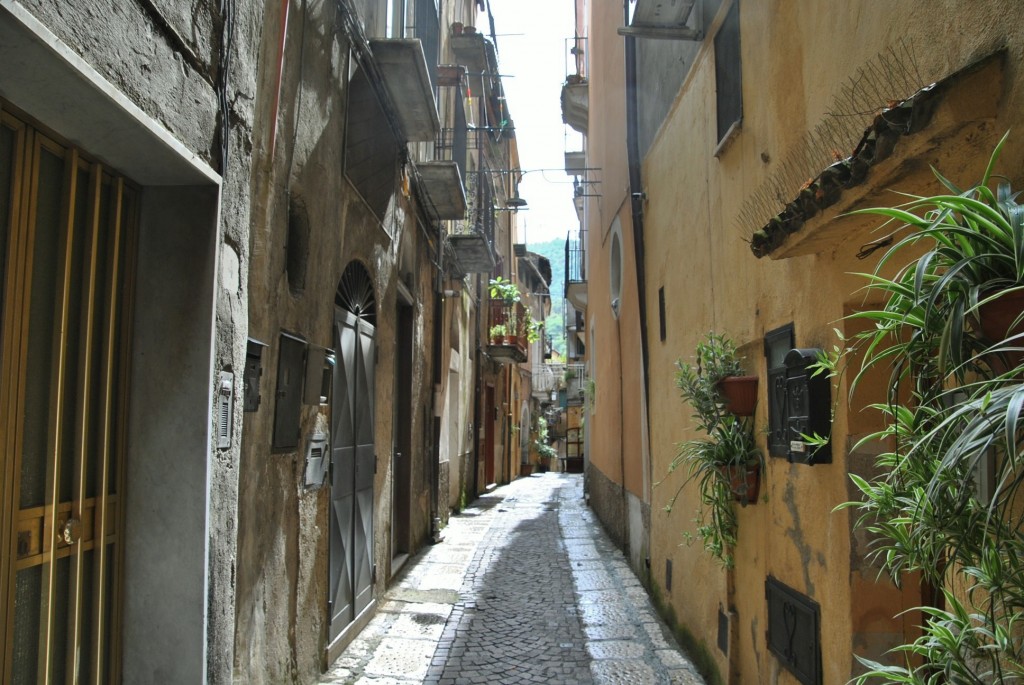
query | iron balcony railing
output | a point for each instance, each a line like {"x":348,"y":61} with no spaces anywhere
{"x":507,"y":329}
{"x":575,"y":258}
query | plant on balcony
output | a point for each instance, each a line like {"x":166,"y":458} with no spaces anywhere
{"x":945,"y":503}
{"x":497,"y":334}
{"x":725,"y":463}
{"x":506,"y":291}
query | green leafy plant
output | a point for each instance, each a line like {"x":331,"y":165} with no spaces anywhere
{"x":728,"y":443}
{"x":540,"y":442}
{"x":946,"y":502}
{"x":497,"y":331}
{"x":501,"y":289}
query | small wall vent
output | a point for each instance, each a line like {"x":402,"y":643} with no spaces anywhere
{"x":317,"y":461}
{"x":225,"y":397}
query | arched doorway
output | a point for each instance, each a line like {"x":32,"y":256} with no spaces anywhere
{"x":351,"y":555}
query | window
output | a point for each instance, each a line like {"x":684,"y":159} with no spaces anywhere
{"x":428,"y":30}
{"x":728,"y":78}
{"x":661,"y":314}
{"x":615,"y":272}
{"x":777,"y":344}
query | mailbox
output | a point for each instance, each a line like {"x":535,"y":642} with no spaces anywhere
{"x":253,"y":371}
{"x":808,"y":407}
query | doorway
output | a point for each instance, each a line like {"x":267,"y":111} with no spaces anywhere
{"x":401,"y":459}
{"x":68,"y":225}
{"x":353,"y":462}
{"x":489,"y":422}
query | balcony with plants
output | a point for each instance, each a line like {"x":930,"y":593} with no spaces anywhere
{"x":509,"y":323}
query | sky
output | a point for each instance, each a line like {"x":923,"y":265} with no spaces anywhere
{"x":533,"y":39}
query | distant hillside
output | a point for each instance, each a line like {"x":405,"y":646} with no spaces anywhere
{"x":554,"y":250}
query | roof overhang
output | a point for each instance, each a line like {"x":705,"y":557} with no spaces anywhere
{"x":442,"y":184}
{"x":404,"y":69}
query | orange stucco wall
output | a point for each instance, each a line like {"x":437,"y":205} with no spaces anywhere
{"x":616,"y":444}
{"x":795,"y":57}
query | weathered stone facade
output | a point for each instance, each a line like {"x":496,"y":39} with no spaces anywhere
{"x":240,"y":122}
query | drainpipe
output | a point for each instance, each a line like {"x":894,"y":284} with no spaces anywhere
{"x":280,"y":71}
{"x":636,"y":202}
{"x":478,"y":384}
{"x":435,"y":465}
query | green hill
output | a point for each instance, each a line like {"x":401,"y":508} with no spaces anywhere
{"x":554,"y":250}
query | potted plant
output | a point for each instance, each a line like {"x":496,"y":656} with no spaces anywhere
{"x":725,"y":462}
{"x":963,"y":298}
{"x":497,"y":334}
{"x":943,"y":504}
{"x":506,"y":291}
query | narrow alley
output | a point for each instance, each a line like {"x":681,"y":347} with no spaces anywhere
{"x":525,"y":588}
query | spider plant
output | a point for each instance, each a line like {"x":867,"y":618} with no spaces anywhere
{"x":727,"y":441}
{"x":953,"y":410}
{"x":929,"y":329}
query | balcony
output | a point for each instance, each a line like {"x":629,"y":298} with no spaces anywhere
{"x":442,"y":185}
{"x":405,"y":75}
{"x":472,"y":240}
{"x":575,"y":102}
{"x":664,"y":20}
{"x":506,"y":328}
{"x":546,"y":379}
{"x":576,"y":269}
{"x":575,"y":383}
{"x":473,"y":51}
{"x":576,"y":163}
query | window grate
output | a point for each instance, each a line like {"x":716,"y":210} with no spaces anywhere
{"x":777,"y":344}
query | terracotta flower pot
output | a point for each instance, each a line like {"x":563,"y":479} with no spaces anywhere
{"x":996,"y":319}
{"x":740,"y":393}
{"x":745,"y":482}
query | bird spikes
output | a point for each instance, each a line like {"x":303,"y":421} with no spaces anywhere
{"x":889,"y":77}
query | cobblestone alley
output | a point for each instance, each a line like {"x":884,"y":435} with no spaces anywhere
{"x":525,"y":588}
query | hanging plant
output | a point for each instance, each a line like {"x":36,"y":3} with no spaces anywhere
{"x":725,"y":463}
{"x":945,"y":505}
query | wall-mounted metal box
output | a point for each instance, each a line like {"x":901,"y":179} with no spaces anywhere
{"x":777,"y":344}
{"x":288,"y":406}
{"x":225,"y":406}
{"x":253,"y":372}
{"x":808,"y":407}
{"x":794,"y":631}
{"x":319,"y":372}
{"x":317,"y":460}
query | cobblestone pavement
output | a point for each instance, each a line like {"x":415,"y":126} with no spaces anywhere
{"x":525,"y":588}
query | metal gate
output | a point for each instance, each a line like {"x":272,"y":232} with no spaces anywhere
{"x":65,"y":230}
{"x":353,"y":461}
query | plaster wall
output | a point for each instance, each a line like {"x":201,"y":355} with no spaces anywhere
{"x":615,"y":441}
{"x":100,"y":65}
{"x":308,"y":224}
{"x":794,"y":59}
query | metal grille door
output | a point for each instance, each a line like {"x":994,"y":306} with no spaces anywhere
{"x":67,"y":224}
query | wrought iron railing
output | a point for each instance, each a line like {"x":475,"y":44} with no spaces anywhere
{"x":576,"y":257}
{"x":507,"y":325}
